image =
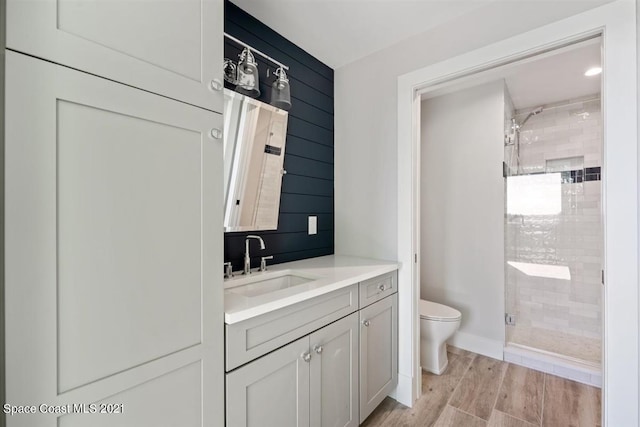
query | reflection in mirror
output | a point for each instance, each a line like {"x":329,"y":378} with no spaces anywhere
{"x":254,"y":143}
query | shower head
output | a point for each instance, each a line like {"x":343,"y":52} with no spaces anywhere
{"x":533,"y":112}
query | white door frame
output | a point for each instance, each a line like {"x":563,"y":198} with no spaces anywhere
{"x":617,"y":24}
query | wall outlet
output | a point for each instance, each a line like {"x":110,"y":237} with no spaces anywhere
{"x":313,"y":225}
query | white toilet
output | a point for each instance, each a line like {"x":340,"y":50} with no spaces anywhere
{"x":437,"y":324}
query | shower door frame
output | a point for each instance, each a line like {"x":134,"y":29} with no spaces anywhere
{"x":616,"y":24}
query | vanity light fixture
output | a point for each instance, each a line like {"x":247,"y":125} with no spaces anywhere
{"x":593,"y":71}
{"x":244,"y":75}
{"x":248,"y":80}
{"x":280,"y":90}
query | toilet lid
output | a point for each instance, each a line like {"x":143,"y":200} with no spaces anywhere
{"x":435,"y":311}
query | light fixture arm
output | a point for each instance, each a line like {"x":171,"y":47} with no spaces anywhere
{"x":256,"y":51}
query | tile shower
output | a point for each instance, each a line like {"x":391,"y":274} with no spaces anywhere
{"x":554,"y":238}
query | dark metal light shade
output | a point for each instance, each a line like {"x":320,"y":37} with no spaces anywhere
{"x":248,"y":81}
{"x":281,"y":91}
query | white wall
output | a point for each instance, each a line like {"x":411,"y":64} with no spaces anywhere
{"x":462,"y":211}
{"x":366,"y":148}
{"x":366,"y":111}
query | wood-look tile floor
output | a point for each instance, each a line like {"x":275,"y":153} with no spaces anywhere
{"x":479,"y":391}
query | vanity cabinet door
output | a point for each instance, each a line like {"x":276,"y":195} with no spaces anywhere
{"x":334,"y":374}
{"x":378,"y":353}
{"x":172,"y":47}
{"x":272,"y":391}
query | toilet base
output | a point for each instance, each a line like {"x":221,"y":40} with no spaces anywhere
{"x":433,"y":360}
{"x":439,"y":372}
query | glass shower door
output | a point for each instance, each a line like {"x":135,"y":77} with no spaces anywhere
{"x":553,"y":234}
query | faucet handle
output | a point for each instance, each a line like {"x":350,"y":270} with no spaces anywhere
{"x":263,"y":262}
{"x":228,"y":270}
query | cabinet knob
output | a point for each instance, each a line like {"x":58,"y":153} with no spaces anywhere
{"x":216,"y":133}
{"x":216,"y":84}
{"x":381,"y":287}
{"x":366,"y":323}
{"x":318,"y":349}
{"x":306,"y":356}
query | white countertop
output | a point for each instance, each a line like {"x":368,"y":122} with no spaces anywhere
{"x":330,"y":273}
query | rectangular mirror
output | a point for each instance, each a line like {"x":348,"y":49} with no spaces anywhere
{"x":254,"y":142}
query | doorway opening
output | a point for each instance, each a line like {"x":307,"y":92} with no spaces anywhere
{"x":614,"y":23}
{"x":511,"y":204}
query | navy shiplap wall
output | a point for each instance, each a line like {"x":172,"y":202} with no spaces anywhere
{"x":307,"y":188}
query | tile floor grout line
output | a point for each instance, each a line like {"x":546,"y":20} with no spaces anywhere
{"x":465,"y":412}
{"x":472,"y":358}
{"x":459,"y":381}
{"x":514,"y":417}
{"x":504,"y":374}
{"x":544,"y":390}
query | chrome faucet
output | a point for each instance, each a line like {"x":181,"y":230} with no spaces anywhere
{"x":247,"y":258}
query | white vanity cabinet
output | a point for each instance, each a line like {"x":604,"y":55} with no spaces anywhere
{"x":324,"y":361}
{"x":173,"y":48}
{"x":378,"y":353}
{"x":312,"y":382}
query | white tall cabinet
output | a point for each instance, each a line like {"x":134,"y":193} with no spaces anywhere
{"x":113,"y":212}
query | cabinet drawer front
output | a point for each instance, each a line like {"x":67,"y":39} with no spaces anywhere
{"x":375,"y":289}
{"x":254,"y":337}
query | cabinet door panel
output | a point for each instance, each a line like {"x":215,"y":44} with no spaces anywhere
{"x":171,"y":47}
{"x":272,"y":391}
{"x":378,"y":353}
{"x":334,"y":374}
{"x":112,"y":202}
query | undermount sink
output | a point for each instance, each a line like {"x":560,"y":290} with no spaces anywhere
{"x":260,"y":284}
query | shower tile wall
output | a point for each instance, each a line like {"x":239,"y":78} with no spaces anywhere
{"x":555,"y":314}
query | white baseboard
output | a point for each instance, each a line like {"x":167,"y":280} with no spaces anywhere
{"x":477,"y":344}
{"x":403,"y":392}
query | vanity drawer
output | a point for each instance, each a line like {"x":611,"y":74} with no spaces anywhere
{"x":259,"y":335}
{"x":375,"y":289}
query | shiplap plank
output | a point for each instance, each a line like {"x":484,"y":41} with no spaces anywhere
{"x":303,"y":203}
{"x":308,"y":149}
{"x":304,"y":129}
{"x":307,"y":185}
{"x":305,"y":167}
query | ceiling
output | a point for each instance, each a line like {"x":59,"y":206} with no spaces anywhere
{"x":341,"y":31}
{"x":544,"y":79}
{"x":555,"y":78}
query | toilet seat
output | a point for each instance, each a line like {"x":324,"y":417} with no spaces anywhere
{"x":433,"y":311}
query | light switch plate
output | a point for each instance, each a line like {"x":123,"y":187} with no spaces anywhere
{"x":313,"y":225}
